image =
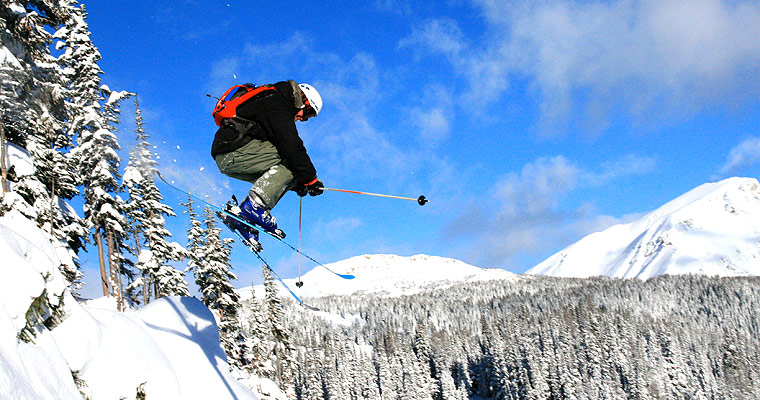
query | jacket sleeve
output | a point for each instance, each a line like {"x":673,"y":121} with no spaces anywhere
{"x":279,"y":125}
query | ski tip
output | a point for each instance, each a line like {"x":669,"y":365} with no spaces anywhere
{"x":310,"y":308}
{"x":346,"y":276}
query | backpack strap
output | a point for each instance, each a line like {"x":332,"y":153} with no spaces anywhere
{"x":235,"y":96}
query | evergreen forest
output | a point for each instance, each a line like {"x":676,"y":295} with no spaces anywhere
{"x":672,"y":337}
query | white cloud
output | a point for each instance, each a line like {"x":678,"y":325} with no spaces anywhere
{"x":433,"y":114}
{"x":527,"y":215}
{"x":337,"y":228}
{"x":629,"y":164}
{"x":438,"y":35}
{"x":650,"y":59}
{"x":745,"y":154}
{"x":537,"y":188}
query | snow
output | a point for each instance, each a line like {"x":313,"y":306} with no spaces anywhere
{"x":386,"y":275}
{"x":17,"y":10}
{"x":7,"y":58}
{"x":169,"y":348}
{"x":713,"y":229}
{"x":19,"y":159}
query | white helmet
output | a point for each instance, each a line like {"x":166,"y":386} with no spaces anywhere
{"x":315,"y":100}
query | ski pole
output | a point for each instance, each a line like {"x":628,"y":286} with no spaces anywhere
{"x":420,"y":200}
{"x":300,"y":207}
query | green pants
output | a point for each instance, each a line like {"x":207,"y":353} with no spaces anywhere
{"x":258,"y":163}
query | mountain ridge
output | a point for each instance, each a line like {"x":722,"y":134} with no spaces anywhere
{"x":387,"y":275}
{"x":712,"y":230}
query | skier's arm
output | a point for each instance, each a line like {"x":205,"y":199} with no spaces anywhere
{"x":289,"y":145}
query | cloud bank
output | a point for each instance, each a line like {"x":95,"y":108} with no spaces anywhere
{"x":527,"y":214}
{"x":586,"y":63}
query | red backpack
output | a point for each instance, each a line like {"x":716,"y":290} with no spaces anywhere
{"x":227,"y":105}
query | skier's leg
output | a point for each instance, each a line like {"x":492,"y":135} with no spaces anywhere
{"x":258,"y":162}
{"x":272,"y":185}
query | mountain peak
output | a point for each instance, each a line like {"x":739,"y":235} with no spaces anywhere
{"x":713,"y":229}
{"x":389,"y":275}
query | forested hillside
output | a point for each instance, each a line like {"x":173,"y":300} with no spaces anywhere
{"x":672,"y":337}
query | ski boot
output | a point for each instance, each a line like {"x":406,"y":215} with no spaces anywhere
{"x":259,"y":216}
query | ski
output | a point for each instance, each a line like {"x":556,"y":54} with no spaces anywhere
{"x":237,"y":218}
{"x":271,"y":270}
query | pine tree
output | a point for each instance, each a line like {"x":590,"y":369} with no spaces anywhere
{"x":213,"y":276}
{"x":256,"y":332}
{"x":32,"y":97}
{"x":422,"y":350}
{"x":283,"y":350}
{"x":32,"y":113}
{"x":93,"y":117}
{"x":385,"y":379}
{"x":333,"y":382}
{"x":312,"y":386}
{"x":98,"y":166}
{"x":195,"y":240}
{"x":35,"y":108}
{"x":137,"y":178}
{"x":149,"y":212}
{"x":133,"y":183}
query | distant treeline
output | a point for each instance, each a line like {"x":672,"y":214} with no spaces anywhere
{"x":672,"y":337}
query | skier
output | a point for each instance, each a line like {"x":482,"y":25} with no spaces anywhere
{"x":260,"y":145}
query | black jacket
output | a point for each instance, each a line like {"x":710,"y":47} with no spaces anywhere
{"x":273,"y":121}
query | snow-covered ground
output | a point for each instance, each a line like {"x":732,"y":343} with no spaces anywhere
{"x":713,"y":229}
{"x":169,"y":349}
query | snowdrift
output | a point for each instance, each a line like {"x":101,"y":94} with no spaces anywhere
{"x":167,"y":350}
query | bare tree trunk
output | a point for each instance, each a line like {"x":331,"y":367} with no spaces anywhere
{"x":146,"y":294}
{"x":116,"y":288}
{"x":52,"y":203}
{"x":3,"y":161}
{"x":103,"y":275}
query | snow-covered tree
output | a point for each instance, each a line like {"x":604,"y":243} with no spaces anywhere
{"x":542,"y":338}
{"x":79,"y":60}
{"x":283,"y":350}
{"x":214,"y":276}
{"x":35,"y":109}
{"x":140,"y":165}
{"x":195,"y":238}
{"x":257,"y":338}
{"x":32,"y":94}
{"x":104,"y":211}
{"x":148,"y":212}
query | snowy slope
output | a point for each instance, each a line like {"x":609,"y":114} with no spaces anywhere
{"x":388,"y":275}
{"x":712,"y":230}
{"x":170,"y":348}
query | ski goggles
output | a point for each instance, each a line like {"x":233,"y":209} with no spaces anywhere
{"x":308,"y":110}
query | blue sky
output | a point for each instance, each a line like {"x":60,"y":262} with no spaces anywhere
{"x":528,"y":124}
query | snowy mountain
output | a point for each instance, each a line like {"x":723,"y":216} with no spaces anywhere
{"x":388,"y":275}
{"x":712,"y":230}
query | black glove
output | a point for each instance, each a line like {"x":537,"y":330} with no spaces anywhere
{"x":313,"y":188}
